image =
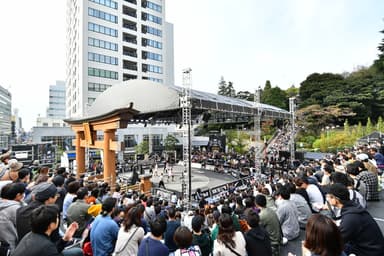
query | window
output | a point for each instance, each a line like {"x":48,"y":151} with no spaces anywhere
{"x":102,"y":15}
{"x":154,"y":69}
{"x":102,"y":58}
{"x":96,"y":87}
{"x":153,"y":31}
{"x":108,"y":3}
{"x":103,"y":73}
{"x":154,"y":6}
{"x":152,"y":18}
{"x":102,"y":44}
{"x":154,"y":44}
{"x":101,"y":29}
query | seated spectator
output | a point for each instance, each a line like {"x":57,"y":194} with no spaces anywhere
{"x":44,"y":221}
{"x":202,"y":239}
{"x":322,"y":237}
{"x":229,"y":242}
{"x":104,"y":230}
{"x":183,"y":239}
{"x":360,"y":232}
{"x":11,"y":196}
{"x":270,"y":222}
{"x":152,"y":245}
{"x":78,"y":211}
{"x":257,"y":239}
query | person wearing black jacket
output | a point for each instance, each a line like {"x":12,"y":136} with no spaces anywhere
{"x":44,"y":220}
{"x":360,"y":232}
{"x":258,"y":242}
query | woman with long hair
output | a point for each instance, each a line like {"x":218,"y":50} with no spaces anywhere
{"x":229,"y":242}
{"x":322,"y":237}
{"x":130,"y":234}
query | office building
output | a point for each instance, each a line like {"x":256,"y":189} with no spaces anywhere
{"x":56,"y":108}
{"x":5,"y":117}
{"x":110,"y":41}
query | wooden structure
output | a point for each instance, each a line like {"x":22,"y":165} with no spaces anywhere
{"x":86,"y":131}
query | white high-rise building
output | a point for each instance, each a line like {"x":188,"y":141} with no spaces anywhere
{"x":110,"y":41}
{"x":56,"y":108}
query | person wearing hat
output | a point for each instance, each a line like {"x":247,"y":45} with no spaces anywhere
{"x":44,"y":193}
{"x":11,"y":171}
{"x":360,"y":232}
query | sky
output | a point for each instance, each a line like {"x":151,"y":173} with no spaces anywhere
{"x":247,"y":42}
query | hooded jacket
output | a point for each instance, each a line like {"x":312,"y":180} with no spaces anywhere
{"x":360,"y":232}
{"x":8,"y":230}
{"x":258,"y":242}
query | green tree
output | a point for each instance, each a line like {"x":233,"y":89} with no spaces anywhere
{"x":222,"y":87}
{"x":170,"y":142}
{"x":379,"y":63}
{"x":368,"y":126}
{"x":359,"y":130}
{"x":274,"y":96}
{"x":142,"y":148}
{"x":237,"y":141}
{"x":292,"y":92}
{"x":347,"y":129}
{"x":380,"y":124}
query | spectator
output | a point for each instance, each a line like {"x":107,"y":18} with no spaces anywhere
{"x":104,"y":230}
{"x":72,"y":190}
{"x":229,"y":242}
{"x":11,"y":196}
{"x":172,"y":225}
{"x":78,"y":211}
{"x":288,"y":214}
{"x":130,"y":234}
{"x":301,"y":205}
{"x":322,"y":237}
{"x":270,"y":222}
{"x":152,"y":245}
{"x":202,"y":239}
{"x":257,"y":239}
{"x":183,"y":239}
{"x":359,"y":230}
{"x":44,"y":221}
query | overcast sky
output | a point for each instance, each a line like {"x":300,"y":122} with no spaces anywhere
{"x":247,"y":42}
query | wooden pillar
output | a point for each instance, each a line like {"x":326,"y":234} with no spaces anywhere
{"x":80,"y":154}
{"x":109,"y":159}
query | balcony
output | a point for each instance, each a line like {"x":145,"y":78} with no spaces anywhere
{"x":130,"y":65}
{"x":128,"y":77}
{"x":131,"y":1}
{"x":129,"y":11}
{"x":129,"y":38}
{"x":129,"y":52}
{"x":129,"y":25}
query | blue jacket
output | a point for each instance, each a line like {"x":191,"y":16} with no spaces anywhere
{"x":104,"y":232}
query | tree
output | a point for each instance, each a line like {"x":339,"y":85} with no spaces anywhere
{"x":292,"y":92}
{"x":245,"y":95}
{"x":380,"y":124}
{"x":379,"y":63}
{"x":231,"y":90}
{"x":368,"y":126}
{"x":274,"y":96}
{"x":347,"y":130}
{"x":142,"y":148}
{"x":170,"y":142}
{"x":222,"y":86}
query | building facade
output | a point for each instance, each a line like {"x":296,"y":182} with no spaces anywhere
{"x":5,"y":117}
{"x":56,"y":108}
{"x":110,"y":41}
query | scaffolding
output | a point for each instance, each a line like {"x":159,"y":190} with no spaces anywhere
{"x":185,"y":104}
{"x":257,"y":130}
{"x":292,"y":109}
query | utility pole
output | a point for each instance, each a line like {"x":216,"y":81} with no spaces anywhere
{"x":185,"y":104}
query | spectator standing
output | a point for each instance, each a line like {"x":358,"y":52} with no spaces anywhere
{"x":183,"y":239}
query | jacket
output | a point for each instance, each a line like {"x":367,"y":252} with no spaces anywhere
{"x":360,"y":231}
{"x":78,"y":212}
{"x":258,"y":242}
{"x":8,"y":230}
{"x":34,"y":244}
{"x":270,"y":222}
{"x":204,"y":242}
{"x":220,"y":249}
